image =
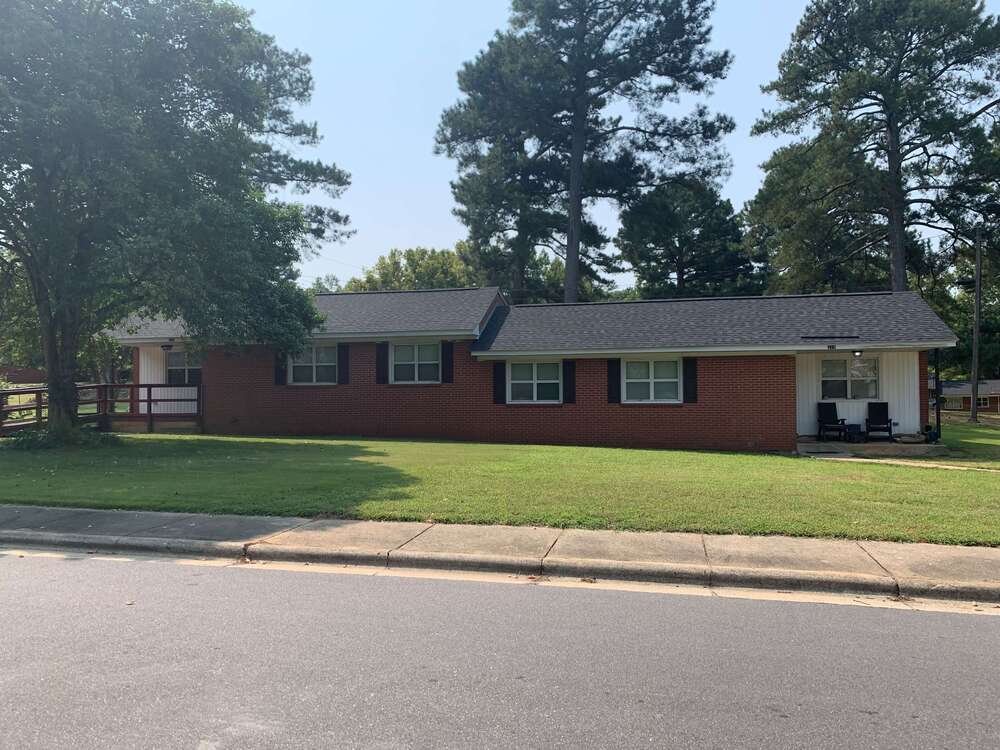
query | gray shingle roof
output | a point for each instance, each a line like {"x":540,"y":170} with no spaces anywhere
{"x":352,"y":314}
{"x":964,"y":387}
{"x":363,"y":313}
{"x":785,"y":322}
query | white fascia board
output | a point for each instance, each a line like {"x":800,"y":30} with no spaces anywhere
{"x":721,"y":350}
{"x":455,"y":335}
{"x":465,"y":334}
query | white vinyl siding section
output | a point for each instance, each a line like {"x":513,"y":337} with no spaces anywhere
{"x":153,"y":370}
{"x":898,"y":378}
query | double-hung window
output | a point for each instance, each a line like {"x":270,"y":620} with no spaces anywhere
{"x":183,"y":368}
{"x":855,"y":378}
{"x":416,"y":363}
{"x":315,"y":365}
{"x":652,"y":380}
{"x":983,"y":402}
{"x":535,"y":382}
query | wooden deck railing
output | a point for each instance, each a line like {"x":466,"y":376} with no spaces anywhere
{"x":104,"y":402}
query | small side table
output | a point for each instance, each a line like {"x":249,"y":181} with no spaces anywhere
{"x":854,"y":434}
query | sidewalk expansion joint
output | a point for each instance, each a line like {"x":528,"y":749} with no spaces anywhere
{"x":708,"y":561}
{"x":388,"y":554}
{"x":541,"y":561}
{"x":875,"y":560}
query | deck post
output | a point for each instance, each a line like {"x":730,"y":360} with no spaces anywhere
{"x":149,"y":408}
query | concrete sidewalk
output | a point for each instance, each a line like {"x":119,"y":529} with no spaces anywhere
{"x":704,"y":559}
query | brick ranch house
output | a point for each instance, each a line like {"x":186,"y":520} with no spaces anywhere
{"x":715,"y":373}
{"x":956,"y":395}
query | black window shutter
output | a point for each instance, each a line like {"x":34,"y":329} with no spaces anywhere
{"x":614,"y":381}
{"x":500,"y":382}
{"x":280,"y":369}
{"x":690,"y":380}
{"x":569,"y":381}
{"x":343,"y":364}
{"x":382,"y":362}
{"x":447,"y":362}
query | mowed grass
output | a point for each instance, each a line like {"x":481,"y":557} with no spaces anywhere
{"x":513,"y":484}
{"x":970,"y":444}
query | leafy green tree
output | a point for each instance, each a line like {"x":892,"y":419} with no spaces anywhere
{"x":900,"y":83}
{"x":812,"y":220}
{"x":683,"y":240}
{"x":325,"y":284}
{"x":139,"y":145}
{"x":414,"y":268}
{"x":554,"y":88}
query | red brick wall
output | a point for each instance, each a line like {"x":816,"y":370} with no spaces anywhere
{"x":994,"y":405}
{"x":744,"y":403}
{"x":922,"y":392}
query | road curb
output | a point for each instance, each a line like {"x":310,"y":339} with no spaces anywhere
{"x":401,"y":558}
{"x":627,"y":570}
{"x":200,"y":547}
{"x":804,"y":580}
{"x":704,"y":575}
{"x":264,"y":552}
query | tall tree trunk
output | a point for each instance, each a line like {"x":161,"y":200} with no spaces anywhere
{"x":575,"y":208}
{"x":59,"y":346}
{"x":896,"y":205}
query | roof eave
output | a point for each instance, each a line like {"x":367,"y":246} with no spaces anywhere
{"x":762,"y":349}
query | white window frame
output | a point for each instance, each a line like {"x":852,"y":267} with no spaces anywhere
{"x":535,"y":381}
{"x":983,"y":402}
{"x":625,"y":380}
{"x":290,"y":380}
{"x":416,"y":362}
{"x":186,"y":368}
{"x":850,"y":381}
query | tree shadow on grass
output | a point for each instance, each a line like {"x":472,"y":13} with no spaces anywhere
{"x":254,"y":476}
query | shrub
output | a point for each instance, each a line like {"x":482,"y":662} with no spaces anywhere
{"x":35,"y":438}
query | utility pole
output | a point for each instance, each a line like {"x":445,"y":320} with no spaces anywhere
{"x":977,"y":322}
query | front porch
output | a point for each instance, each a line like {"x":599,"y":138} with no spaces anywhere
{"x":813,"y":448}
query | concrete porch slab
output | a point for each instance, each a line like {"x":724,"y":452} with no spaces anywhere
{"x":780,"y":561}
{"x":366,"y":542}
{"x":517,"y":549}
{"x":935,"y":569}
{"x":874,"y":449}
{"x":625,"y":554}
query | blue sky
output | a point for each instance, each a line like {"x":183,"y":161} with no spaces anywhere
{"x":385,"y":69}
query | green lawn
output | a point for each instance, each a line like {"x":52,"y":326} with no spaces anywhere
{"x":513,"y":484}
{"x":971,"y":445}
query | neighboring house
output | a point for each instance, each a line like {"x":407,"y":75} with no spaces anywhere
{"x":716,"y":373}
{"x":956,"y":395}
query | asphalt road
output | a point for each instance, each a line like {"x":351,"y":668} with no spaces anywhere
{"x":152,"y":653}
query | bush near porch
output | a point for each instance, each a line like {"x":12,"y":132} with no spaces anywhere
{"x":514,"y":484}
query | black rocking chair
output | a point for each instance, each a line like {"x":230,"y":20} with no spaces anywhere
{"x":878,"y":419}
{"x":829,"y":421}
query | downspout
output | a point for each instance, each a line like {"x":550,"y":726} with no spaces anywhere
{"x":937,"y":393}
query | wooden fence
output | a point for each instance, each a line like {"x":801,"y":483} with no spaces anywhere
{"x":104,"y":403}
